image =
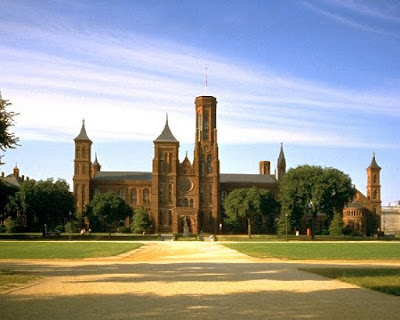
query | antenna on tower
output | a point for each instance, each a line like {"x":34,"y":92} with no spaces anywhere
{"x":206,"y":80}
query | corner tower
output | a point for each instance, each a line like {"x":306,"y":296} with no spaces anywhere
{"x":164,"y":181}
{"x":82,"y":169}
{"x":206,"y":163}
{"x":374,"y":188}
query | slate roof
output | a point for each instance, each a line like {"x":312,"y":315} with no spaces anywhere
{"x":13,"y":181}
{"x":166,"y":135}
{"x":373,"y":164}
{"x":82,"y":135}
{"x":122,"y":176}
{"x":246,"y":178}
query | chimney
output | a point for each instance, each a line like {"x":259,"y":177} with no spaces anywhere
{"x":2,"y":175}
{"x":265,"y":167}
{"x":23,"y":178}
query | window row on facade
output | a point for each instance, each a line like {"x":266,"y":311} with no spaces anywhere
{"x":136,"y":196}
{"x":81,"y":153}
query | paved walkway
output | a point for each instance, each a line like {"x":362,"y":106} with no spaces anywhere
{"x":186,"y":280}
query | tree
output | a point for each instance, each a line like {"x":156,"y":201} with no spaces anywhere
{"x":314,"y":189}
{"x":42,"y":202}
{"x":245,"y":205}
{"x":7,"y":139}
{"x":109,"y":209}
{"x":140,"y":221}
{"x":337,"y":225}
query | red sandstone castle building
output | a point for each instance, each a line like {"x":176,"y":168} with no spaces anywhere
{"x":177,"y":191}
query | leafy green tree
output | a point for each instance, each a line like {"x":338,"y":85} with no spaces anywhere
{"x":42,"y":202}
{"x":6,"y":191}
{"x":246,"y":205}
{"x":337,"y":225}
{"x":109,"y":209}
{"x":7,"y":139}
{"x":140,"y":221}
{"x":314,"y":189}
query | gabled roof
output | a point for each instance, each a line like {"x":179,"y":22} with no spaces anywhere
{"x":13,"y":181}
{"x":82,"y":135}
{"x":122,"y":176}
{"x":246,"y":178}
{"x":166,"y":135}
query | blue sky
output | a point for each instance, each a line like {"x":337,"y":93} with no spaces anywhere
{"x":322,"y":77}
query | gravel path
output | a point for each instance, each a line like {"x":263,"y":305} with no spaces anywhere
{"x":186,"y":280}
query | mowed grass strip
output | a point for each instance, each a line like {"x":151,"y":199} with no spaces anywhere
{"x":379,"y":279}
{"x":11,"y":279}
{"x":320,"y":250}
{"x":63,"y":250}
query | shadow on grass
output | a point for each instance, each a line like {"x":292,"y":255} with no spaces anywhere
{"x":189,"y":291}
{"x":385,"y":280}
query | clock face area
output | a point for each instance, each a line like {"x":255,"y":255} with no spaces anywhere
{"x":187,"y":185}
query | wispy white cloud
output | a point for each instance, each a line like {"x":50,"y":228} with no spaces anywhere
{"x":124,"y":84}
{"x":357,"y":15}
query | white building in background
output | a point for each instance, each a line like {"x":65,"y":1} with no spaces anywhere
{"x":390,"y":219}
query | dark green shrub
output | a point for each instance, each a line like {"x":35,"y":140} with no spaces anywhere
{"x":124,"y":230}
{"x":2,"y":228}
{"x":60,"y":228}
{"x":14,"y":225}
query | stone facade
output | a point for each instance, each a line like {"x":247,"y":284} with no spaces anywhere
{"x":174,"y":191}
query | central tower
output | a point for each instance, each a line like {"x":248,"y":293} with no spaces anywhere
{"x":206,"y":163}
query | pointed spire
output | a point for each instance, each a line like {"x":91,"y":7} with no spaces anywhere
{"x":373,"y":164}
{"x":96,"y":162}
{"x":281,"y":158}
{"x":82,"y":135}
{"x":166,"y":135}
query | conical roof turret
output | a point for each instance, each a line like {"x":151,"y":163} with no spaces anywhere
{"x":373,"y":164}
{"x":281,"y":158}
{"x":166,"y":135}
{"x":82,"y":135}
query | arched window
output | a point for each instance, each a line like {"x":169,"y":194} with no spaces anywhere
{"x":97,"y":191}
{"x":83,"y":152}
{"x":206,"y":125}
{"x":78,"y":152}
{"x":146,"y":196}
{"x":134,"y":196}
{"x":160,"y":218}
{"x":209,"y":168}
{"x":122,"y":194}
{"x":169,"y":217}
{"x":186,"y":202}
{"x":170,"y":162}
{"x":375,"y":194}
{"x":191,"y":203}
{"x":170,"y":193}
{"x":83,"y":195}
{"x":202,"y":164}
{"x":375,"y":178}
{"x":161,"y":162}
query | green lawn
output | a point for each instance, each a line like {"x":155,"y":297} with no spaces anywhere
{"x":62,"y":250}
{"x":11,"y":279}
{"x":320,"y":250}
{"x":379,"y":279}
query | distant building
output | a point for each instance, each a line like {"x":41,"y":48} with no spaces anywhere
{"x":391,"y":219}
{"x":175,"y":191}
{"x":13,"y":179}
{"x":358,"y":214}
